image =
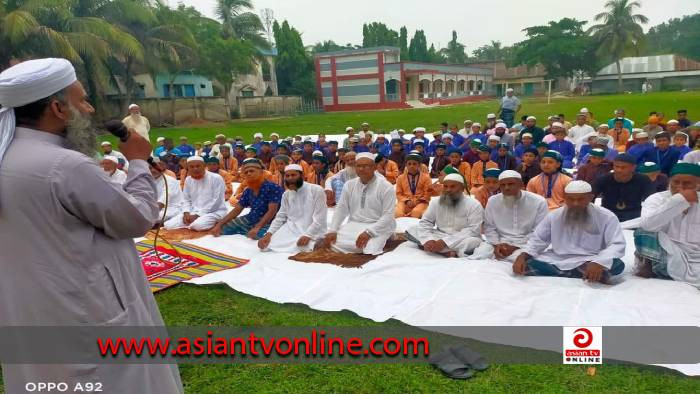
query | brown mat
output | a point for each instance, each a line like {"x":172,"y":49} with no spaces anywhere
{"x":176,"y":235}
{"x":327,"y":256}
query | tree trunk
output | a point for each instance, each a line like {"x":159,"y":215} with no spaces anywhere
{"x":172,"y":100}
{"x":128,"y":86}
{"x":619,"y":76}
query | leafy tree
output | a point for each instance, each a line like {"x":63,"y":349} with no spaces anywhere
{"x":294,"y":67}
{"x":434,"y":56}
{"x":418,"y":48}
{"x":619,"y":32}
{"x":678,"y":35}
{"x":239,"y":22}
{"x":493,"y":52}
{"x":328,"y":46}
{"x":377,"y":34}
{"x":454,"y":53}
{"x":403,"y":42}
{"x":561,"y":47}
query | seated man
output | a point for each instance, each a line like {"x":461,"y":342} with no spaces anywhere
{"x":301,"y":219}
{"x":550,"y":183}
{"x":227,"y":162}
{"x":595,"y":168}
{"x":261,"y":196}
{"x":320,"y":170}
{"x":204,"y":202}
{"x":334,"y":185}
{"x":624,"y":190}
{"x":455,"y":160}
{"x":109,"y":164}
{"x":174,"y":199}
{"x":452,"y":224}
{"x":530,"y":166}
{"x":481,"y":165}
{"x":388,"y":168}
{"x":489,"y":188}
{"x":510,"y":218}
{"x":368,"y":201}
{"x":413,"y":189}
{"x":213,"y":165}
{"x":659,"y":181}
{"x":586,"y":241}
{"x":668,"y":240}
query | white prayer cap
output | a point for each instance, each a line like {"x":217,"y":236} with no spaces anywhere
{"x":365,"y":155}
{"x":381,"y":136}
{"x":509,"y":90}
{"x":349,"y":128}
{"x":25,"y":83}
{"x":401,"y":131}
{"x":394,"y":135}
{"x":206,"y":143}
{"x":578,"y":187}
{"x":527,"y":135}
{"x":494,"y":137}
{"x":468,"y":121}
{"x":454,"y":177}
{"x":365,"y":124}
{"x":155,"y":159}
{"x":641,"y":134}
{"x":111,"y":158}
{"x":132,"y":106}
{"x":503,"y":125}
{"x":106,"y":143}
{"x":274,"y":135}
{"x":491,"y":116}
{"x":672,"y":121}
{"x":507,"y":174}
{"x":195,"y":158}
{"x":317,"y":153}
{"x":476,"y":124}
{"x":447,"y":135}
{"x":557,"y":124}
{"x":226,"y":145}
{"x":293,"y":167}
{"x":219,"y":136}
{"x":584,"y":110}
{"x":422,"y":129}
{"x":257,"y":135}
{"x":354,"y":139}
{"x":531,"y":118}
{"x":160,"y":139}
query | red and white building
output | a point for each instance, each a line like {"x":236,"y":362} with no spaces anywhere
{"x":375,"y":78}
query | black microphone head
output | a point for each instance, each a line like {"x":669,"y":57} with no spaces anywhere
{"x":117,"y":129}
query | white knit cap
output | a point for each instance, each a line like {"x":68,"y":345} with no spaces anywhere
{"x":531,"y":118}
{"x":257,"y":135}
{"x":503,"y":125}
{"x":578,"y":187}
{"x":219,"y":136}
{"x":160,"y":139}
{"x":274,"y":135}
{"x":454,"y":177}
{"x":349,"y":128}
{"x":419,"y":129}
{"x":641,"y":134}
{"x":365,"y":155}
{"x":133,"y":105}
{"x":195,"y":158}
{"x":447,"y":135}
{"x":476,"y":124}
{"x":672,"y":121}
{"x":25,"y":83}
{"x":491,"y":116}
{"x":106,"y":143}
{"x":527,"y":135}
{"x":584,"y":110}
{"x":111,"y":158}
{"x":507,"y":174}
{"x":494,"y":138}
{"x":293,"y":167}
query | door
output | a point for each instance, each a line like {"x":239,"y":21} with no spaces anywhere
{"x":529,"y":89}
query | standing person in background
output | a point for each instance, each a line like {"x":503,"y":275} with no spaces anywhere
{"x":510,"y":106}
{"x":137,"y":122}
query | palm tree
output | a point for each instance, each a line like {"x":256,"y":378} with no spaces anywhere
{"x":619,"y":32}
{"x":454,"y":53}
{"x":239,"y":23}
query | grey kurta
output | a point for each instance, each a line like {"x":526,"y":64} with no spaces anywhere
{"x":68,"y":256}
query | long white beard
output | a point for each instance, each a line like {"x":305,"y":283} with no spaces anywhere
{"x":350,"y":172}
{"x":581,"y":219}
{"x":81,"y":135}
{"x":510,"y":201}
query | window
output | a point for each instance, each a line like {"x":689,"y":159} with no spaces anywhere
{"x":202,"y":86}
{"x":179,"y":90}
{"x":247,"y":93}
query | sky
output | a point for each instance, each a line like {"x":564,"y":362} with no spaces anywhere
{"x":477,"y":22}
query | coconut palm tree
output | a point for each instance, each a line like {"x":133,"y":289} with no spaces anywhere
{"x":238,"y":22}
{"x":619,"y":31}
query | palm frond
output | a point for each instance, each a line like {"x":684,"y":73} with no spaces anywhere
{"x":57,"y":44}
{"x":18,"y":25}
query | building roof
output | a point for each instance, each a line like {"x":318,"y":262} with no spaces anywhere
{"x":651,"y":64}
{"x":445,"y":68}
{"x":501,"y":71}
{"x":360,"y":51}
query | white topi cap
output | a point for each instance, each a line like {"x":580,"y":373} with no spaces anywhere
{"x":578,"y":187}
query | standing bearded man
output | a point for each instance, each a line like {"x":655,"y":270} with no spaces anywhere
{"x":67,"y":232}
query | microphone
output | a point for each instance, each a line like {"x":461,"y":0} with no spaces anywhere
{"x":119,"y":130}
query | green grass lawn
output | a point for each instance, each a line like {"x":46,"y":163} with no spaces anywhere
{"x":638,"y":107}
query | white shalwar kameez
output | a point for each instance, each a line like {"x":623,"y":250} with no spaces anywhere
{"x":677,"y":223}
{"x":302,"y":212}
{"x":511,"y":224}
{"x":175,"y":197}
{"x":203,"y":197}
{"x":600,"y":240}
{"x":459,"y":226}
{"x":369,"y":207}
